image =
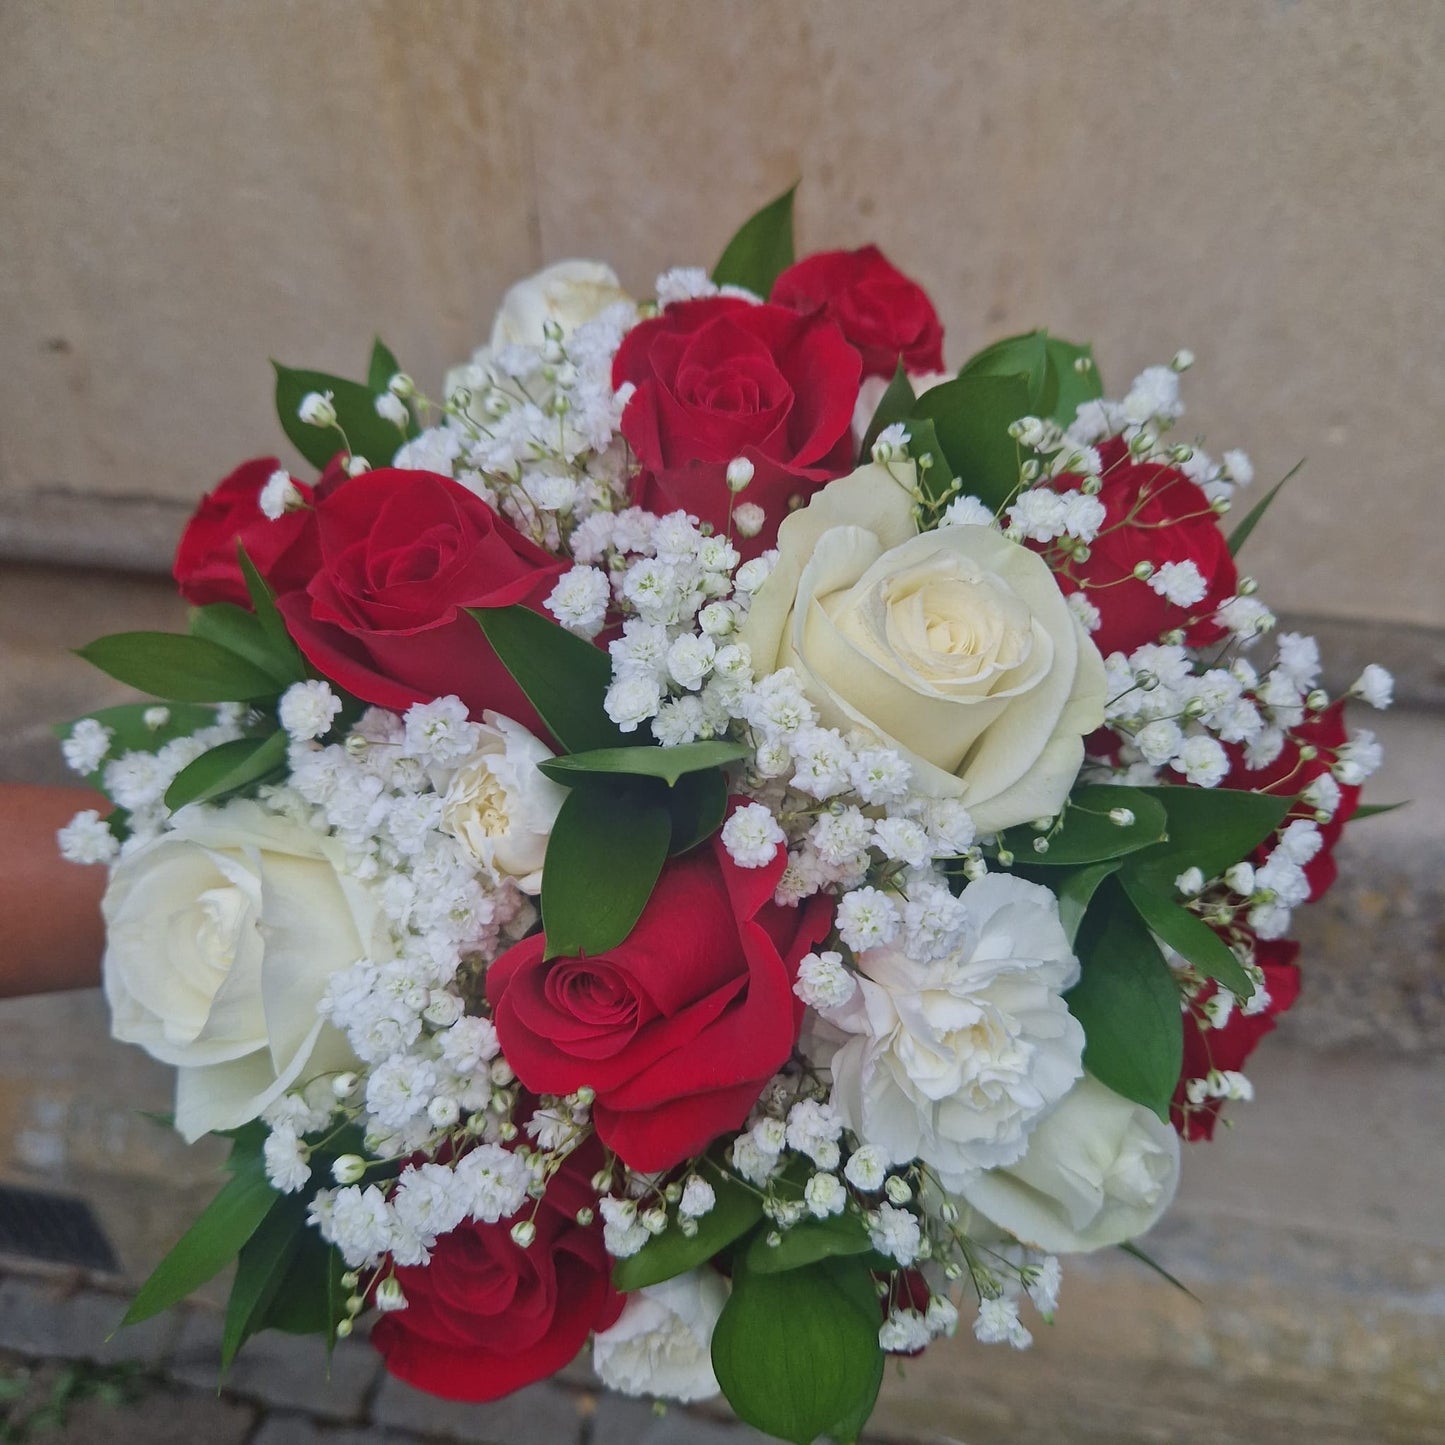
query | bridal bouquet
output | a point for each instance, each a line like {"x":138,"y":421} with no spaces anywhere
{"x":720,"y":836}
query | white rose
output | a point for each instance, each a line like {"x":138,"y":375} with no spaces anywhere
{"x":954,"y":1061}
{"x":1099,"y":1170}
{"x":955,"y":647}
{"x":500,"y":807}
{"x":220,"y":937}
{"x":662,"y":1341}
{"x":567,"y":292}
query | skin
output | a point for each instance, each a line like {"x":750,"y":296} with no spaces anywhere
{"x":51,"y":934}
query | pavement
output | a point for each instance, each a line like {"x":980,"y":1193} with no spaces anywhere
{"x":1311,"y":1232}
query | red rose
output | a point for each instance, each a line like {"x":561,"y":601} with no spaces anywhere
{"x":1290,"y":774}
{"x":721,"y":378}
{"x":486,"y":1316}
{"x":881,"y":312}
{"x":206,"y":569}
{"x":400,"y":555}
{"x":1153,"y":514}
{"x":1231,"y":1046}
{"x":678,"y":1028}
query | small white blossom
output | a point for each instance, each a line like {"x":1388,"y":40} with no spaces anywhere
{"x":1238,"y":467}
{"x":904,"y":1332}
{"x":867,"y":918}
{"x":698,"y":1198}
{"x":749,"y":519}
{"x":630,"y":701}
{"x":823,"y":981}
{"x":866,"y":1168}
{"x":579,"y":600}
{"x":285,"y":1160}
{"x":308,"y":709}
{"x":87,"y":745}
{"x":895,"y":1232}
{"x":1181,"y":583}
{"x":752,"y":836}
{"x":1358,"y":759}
{"x":317,"y":409}
{"x":1375,"y":686}
{"x":998,"y":1323}
{"x":1203,"y":761}
{"x":279,"y":495}
{"x":824,"y":1194}
{"x":87,"y":839}
{"x":1090,"y":618}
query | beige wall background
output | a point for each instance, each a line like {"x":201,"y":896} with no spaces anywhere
{"x":190,"y":188}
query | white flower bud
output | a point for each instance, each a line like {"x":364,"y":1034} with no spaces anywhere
{"x":897,"y":1189}
{"x":748,"y":518}
{"x":401,"y":385}
{"x":348,"y":1168}
{"x":523,"y":1233}
{"x":443,"y":1112}
{"x":389,"y":1295}
{"x":740,"y":474}
{"x":317,"y":409}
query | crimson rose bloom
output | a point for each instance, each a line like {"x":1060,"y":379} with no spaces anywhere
{"x":881,"y":312}
{"x":1289,"y":775}
{"x":401,"y":554}
{"x":721,"y":378}
{"x":486,"y":1317}
{"x":677,"y":1028}
{"x":1231,"y":1046}
{"x":206,"y":569}
{"x":1153,"y":514}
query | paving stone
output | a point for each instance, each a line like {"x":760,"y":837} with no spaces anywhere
{"x":55,"y":1319}
{"x":545,"y":1414}
{"x":620,"y":1421}
{"x":279,"y":1369}
{"x":303,"y":1430}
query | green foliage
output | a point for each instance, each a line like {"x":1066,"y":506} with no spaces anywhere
{"x":761,"y":250}
{"x":214,"y":1240}
{"x":383,"y":366}
{"x":261,"y":1268}
{"x":1128,"y":1003}
{"x":807,"y":1242}
{"x":894,"y":405}
{"x":671,"y":1253}
{"x":935,"y":475}
{"x":797,"y":1354}
{"x":362,"y":432}
{"x":1058,"y":375}
{"x":1075,"y":890}
{"x":603,"y":859}
{"x":1255,"y":516}
{"x":228,"y":768}
{"x":1073,"y":379}
{"x":697,"y":804}
{"x":283,"y":657}
{"x":1188,"y":935}
{"x":1209,"y":828}
{"x":180,"y":669}
{"x":1375,"y":810}
{"x":669,"y":764}
{"x":971,"y":416}
{"x":1085,"y":833}
{"x":1133,"y":1250}
{"x":564,"y":677}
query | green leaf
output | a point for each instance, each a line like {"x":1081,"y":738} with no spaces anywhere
{"x":564,"y":678}
{"x":1025,"y":356}
{"x":1188,"y":935}
{"x":1069,"y":388}
{"x":182,"y":669}
{"x":286,"y":659}
{"x":669,"y":764}
{"x":697,"y":806}
{"x":310,"y":1300}
{"x":243,"y":633}
{"x":797,"y":1354}
{"x":1130,"y":1248}
{"x":211,"y":1243}
{"x":1375,"y":810}
{"x":894,"y":405}
{"x":1128,"y":1003}
{"x":227,"y":768}
{"x":972,"y":415}
{"x":383,"y":366}
{"x":602,"y":863}
{"x":935,"y":475}
{"x":1209,"y":828}
{"x":1241,"y":533}
{"x":761,"y":250}
{"x":132,"y":733}
{"x":261,"y":1269}
{"x":1086,"y":834}
{"x":366,"y":434}
{"x":1076,"y":890}
{"x":672,"y":1253}
{"x":807,"y":1242}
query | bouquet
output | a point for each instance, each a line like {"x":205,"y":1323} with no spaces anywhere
{"x":720,"y":836}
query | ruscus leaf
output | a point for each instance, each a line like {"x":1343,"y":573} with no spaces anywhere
{"x":1025,"y":356}
{"x":179,"y":669}
{"x":1255,"y":516}
{"x":807,"y":1242}
{"x":761,"y":250}
{"x":603,"y":859}
{"x":1073,"y":379}
{"x":972,"y":415}
{"x":894,"y":405}
{"x":226,"y":769}
{"x":1209,"y":828}
{"x":1188,"y":935}
{"x":797,"y":1354}
{"x":564,"y":678}
{"x":261,"y":1269}
{"x":363,"y":431}
{"x":669,"y":764}
{"x":1088,"y":832}
{"x":1128,"y":1003}
{"x":383,"y":366}
{"x":286,"y":660}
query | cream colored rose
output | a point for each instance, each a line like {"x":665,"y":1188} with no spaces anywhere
{"x":568,"y":293}
{"x":1099,"y":1170}
{"x":500,"y":808}
{"x":954,"y":646}
{"x":220,"y":938}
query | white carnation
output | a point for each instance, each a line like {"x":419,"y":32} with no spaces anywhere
{"x":661,"y":1343}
